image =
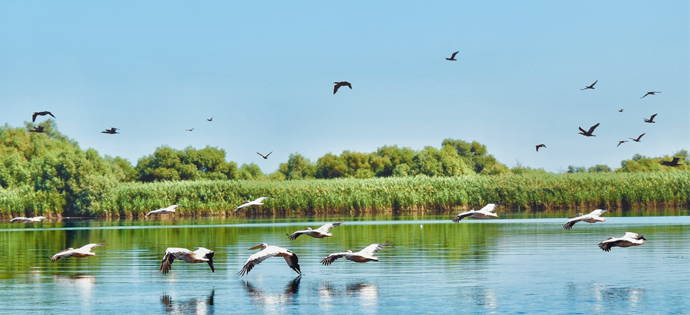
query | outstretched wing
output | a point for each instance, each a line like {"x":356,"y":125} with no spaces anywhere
{"x":373,"y":248}
{"x":293,"y":262}
{"x":327,"y":227}
{"x":62,"y":254}
{"x":652,"y":118}
{"x":244,"y":205}
{"x":256,"y":259}
{"x":89,"y":247}
{"x":33,"y":117}
{"x":296,"y":234}
{"x":607,"y":244}
{"x":453,"y":55}
{"x":569,"y":225}
{"x":591,"y":129}
{"x":598,"y":212}
{"x":18,"y":219}
{"x":172,"y":253}
{"x":463,"y":215}
{"x":489,"y":208}
{"x":208,"y":254}
{"x":581,"y":130}
{"x":332,"y":257}
{"x":336,"y":87}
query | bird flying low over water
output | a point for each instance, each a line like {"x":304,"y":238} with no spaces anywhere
{"x":629,"y":239}
{"x":592,"y":217}
{"x":264,"y":156}
{"x":540,"y":146}
{"x":321,"y":232}
{"x":339,"y":84}
{"x":638,"y":138}
{"x":484,"y":213}
{"x":667,"y":163}
{"x":452,"y":57}
{"x":590,"y":87}
{"x":362,"y":256}
{"x":650,"y":93}
{"x":254,"y":203}
{"x":166,"y":210}
{"x":110,"y":131}
{"x":37,"y":129}
{"x":621,"y":142}
{"x":43,"y":113}
{"x":193,"y":257}
{"x":266,"y":252}
{"x":588,"y":133}
{"x":80,"y":252}
{"x":24,"y":220}
{"x":650,"y":120}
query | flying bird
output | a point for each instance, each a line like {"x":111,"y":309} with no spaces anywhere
{"x":671,"y":163}
{"x":452,"y":57}
{"x":629,"y":239}
{"x":257,"y":202}
{"x":37,"y":129}
{"x":189,"y":129}
{"x":650,"y":93}
{"x":638,"y":138}
{"x":592,"y":217}
{"x":210,"y":119}
{"x":590,"y":87}
{"x":110,"y":131}
{"x":33,"y":117}
{"x":650,"y":120}
{"x":321,"y":232}
{"x":193,"y":257}
{"x":484,"y":213}
{"x":362,"y":256}
{"x":588,"y":133}
{"x":264,"y":156}
{"x":268,"y":251}
{"x":80,"y":252}
{"x":339,"y":84}
{"x":621,"y":142}
{"x":620,"y":110}
{"x":540,"y":146}
{"x":24,"y":220}
{"x":166,"y":210}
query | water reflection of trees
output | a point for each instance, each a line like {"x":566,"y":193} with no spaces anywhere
{"x":200,"y":305}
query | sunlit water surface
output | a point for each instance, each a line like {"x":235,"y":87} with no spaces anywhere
{"x":500,"y":266}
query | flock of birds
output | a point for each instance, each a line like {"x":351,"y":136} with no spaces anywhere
{"x":204,"y":255}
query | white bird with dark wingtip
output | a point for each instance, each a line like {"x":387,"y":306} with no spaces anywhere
{"x":167,"y":210}
{"x":484,"y":213}
{"x":266,"y":252}
{"x":592,"y":217}
{"x":321,"y":232}
{"x":193,"y":257}
{"x":254,"y":203}
{"x":629,"y":239}
{"x":84,"y":251}
{"x":24,"y":220}
{"x":362,"y":256}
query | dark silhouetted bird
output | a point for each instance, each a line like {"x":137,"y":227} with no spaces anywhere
{"x":621,"y":142}
{"x":33,"y":117}
{"x":339,"y":84}
{"x":650,"y":120}
{"x":590,"y":87}
{"x":540,"y":146}
{"x":190,"y":129}
{"x":638,"y":138}
{"x":264,"y":156}
{"x":37,"y":129}
{"x":588,"y":133}
{"x":452,"y":57}
{"x":650,"y":93}
{"x":110,"y":131}
{"x":671,"y":163}
{"x":620,"y":110}
{"x":210,"y":119}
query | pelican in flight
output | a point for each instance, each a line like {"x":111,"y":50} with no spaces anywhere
{"x":264,"y":156}
{"x":193,"y":257}
{"x":24,"y":220}
{"x":540,"y":146}
{"x":167,"y":210}
{"x":667,"y":163}
{"x":33,"y":117}
{"x":590,"y":87}
{"x":452,"y":57}
{"x":638,"y":138}
{"x":257,"y":202}
{"x":650,"y":93}
{"x":80,"y":252}
{"x":321,"y":232}
{"x":110,"y":131}
{"x":650,"y":120}
{"x":339,"y":84}
{"x":362,"y":256}
{"x":268,"y":251}
{"x":629,"y":239}
{"x":588,"y":133}
{"x":592,"y":217}
{"x":484,"y":213}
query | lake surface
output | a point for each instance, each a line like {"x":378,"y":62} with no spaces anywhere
{"x":496,"y":266}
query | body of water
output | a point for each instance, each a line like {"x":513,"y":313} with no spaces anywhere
{"x":500,"y":266}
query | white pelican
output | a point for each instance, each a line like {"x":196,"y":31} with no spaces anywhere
{"x":167,"y":210}
{"x":321,"y":232}
{"x":31,"y":220}
{"x":257,"y":202}
{"x":629,"y":239}
{"x":592,"y":217}
{"x":193,"y":257}
{"x":484,"y":213}
{"x":266,"y":252}
{"x":80,"y":252}
{"x":362,"y":256}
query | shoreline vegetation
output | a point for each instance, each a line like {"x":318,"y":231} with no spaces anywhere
{"x":405,"y":195}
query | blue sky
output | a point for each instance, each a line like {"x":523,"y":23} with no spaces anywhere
{"x":264,"y":71}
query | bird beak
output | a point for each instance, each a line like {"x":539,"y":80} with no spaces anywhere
{"x":255,"y":246}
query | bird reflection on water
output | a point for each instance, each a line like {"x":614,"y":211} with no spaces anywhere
{"x":201,"y":305}
{"x":260,"y":297}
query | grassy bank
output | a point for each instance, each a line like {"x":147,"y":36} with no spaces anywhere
{"x":379,"y":195}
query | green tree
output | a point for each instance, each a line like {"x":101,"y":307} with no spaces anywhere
{"x":297,"y":167}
